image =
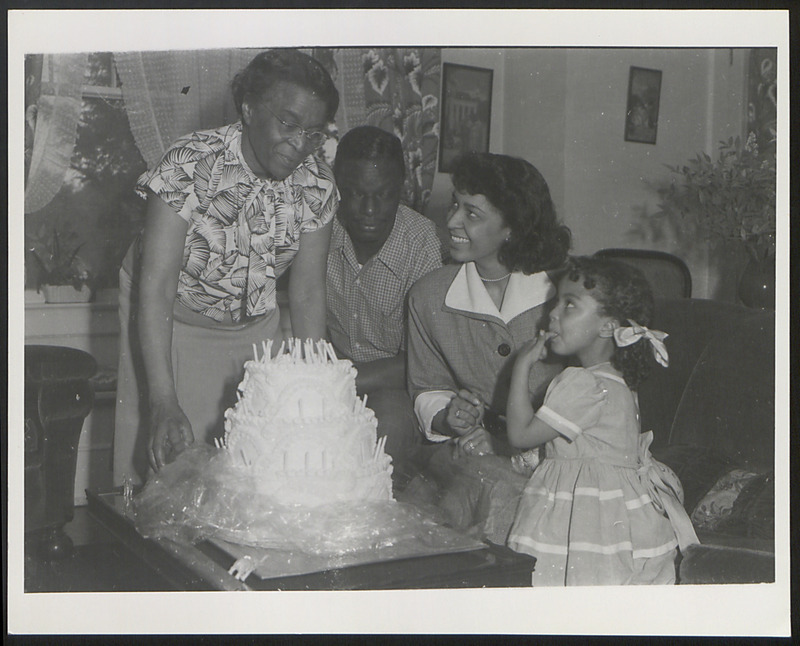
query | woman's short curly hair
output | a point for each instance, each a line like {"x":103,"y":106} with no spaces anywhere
{"x":290,"y":66}
{"x":538,"y":241}
{"x":624,"y":294}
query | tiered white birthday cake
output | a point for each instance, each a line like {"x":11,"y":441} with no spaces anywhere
{"x":301,"y":430}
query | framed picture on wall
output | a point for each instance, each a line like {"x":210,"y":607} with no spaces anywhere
{"x":644,"y":94}
{"x":466,"y":112}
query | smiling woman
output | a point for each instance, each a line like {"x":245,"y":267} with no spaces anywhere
{"x":228,"y":211}
{"x":504,"y":232}
{"x":468,"y":320}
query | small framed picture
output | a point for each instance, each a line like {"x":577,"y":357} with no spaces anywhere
{"x":644,"y":94}
{"x":466,"y":112}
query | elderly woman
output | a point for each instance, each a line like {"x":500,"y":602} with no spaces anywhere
{"x":228,"y":211}
{"x":467,"y":320}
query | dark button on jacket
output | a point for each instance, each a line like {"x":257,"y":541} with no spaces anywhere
{"x":503,"y":349}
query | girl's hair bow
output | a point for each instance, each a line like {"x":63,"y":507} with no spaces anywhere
{"x":629,"y":335}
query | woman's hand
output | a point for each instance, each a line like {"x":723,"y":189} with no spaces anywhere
{"x":170,"y":433}
{"x":477,"y":442}
{"x":464,"y":412}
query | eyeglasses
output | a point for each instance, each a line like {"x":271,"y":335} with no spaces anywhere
{"x":292,"y":130}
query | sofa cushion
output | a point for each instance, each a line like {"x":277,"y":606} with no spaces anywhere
{"x":753,"y":512}
{"x":726,"y":564}
{"x":718,"y":503}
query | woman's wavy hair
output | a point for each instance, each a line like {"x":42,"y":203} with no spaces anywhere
{"x":288,"y":65}
{"x":624,"y":294}
{"x":538,"y":241}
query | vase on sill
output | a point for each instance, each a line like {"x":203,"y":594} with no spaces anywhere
{"x":66,"y":294}
{"x":757,"y":284}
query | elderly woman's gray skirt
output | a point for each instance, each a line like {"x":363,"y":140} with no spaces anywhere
{"x":207,"y":365}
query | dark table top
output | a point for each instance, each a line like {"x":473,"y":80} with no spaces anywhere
{"x":458,"y":562}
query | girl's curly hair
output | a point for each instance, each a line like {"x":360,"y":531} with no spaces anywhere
{"x":538,"y":241}
{"x":624,"y":294}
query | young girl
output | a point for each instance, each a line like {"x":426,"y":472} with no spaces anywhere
{"x":598,"y":510}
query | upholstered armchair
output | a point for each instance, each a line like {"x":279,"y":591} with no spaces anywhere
{"x":58,"y":397}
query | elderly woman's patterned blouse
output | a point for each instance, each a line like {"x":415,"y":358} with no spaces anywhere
{"x":243,"y":231}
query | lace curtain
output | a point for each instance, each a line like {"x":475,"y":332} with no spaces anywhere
{"x":52,"y":119}
{"x":396,"y":89}
{"x":168,"y":94}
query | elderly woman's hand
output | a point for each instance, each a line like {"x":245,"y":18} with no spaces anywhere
{"x":170,"y":433}
{"x":477,"y":442}
{"x":464,"y":412}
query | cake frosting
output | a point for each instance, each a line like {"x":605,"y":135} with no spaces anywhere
{"x":301,"y":430}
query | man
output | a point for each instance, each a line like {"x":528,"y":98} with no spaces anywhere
{"x":379,"y":248}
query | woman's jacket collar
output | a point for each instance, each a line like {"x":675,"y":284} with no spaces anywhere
{"x":523,"y":292}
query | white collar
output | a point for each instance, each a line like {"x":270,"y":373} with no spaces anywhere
{"x":468,"y":293}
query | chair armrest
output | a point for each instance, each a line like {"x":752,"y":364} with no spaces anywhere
{"x":52,"y":363}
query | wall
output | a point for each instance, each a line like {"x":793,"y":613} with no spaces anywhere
{"x":564,"y":111}
{"x":535,"y":114}
{"x":605,"y":175}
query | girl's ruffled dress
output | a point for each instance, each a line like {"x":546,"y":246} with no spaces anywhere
{"x":599,"y":510}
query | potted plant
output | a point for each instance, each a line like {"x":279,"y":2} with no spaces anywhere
{"x":64,"y":277}
{"x":730,"y":201}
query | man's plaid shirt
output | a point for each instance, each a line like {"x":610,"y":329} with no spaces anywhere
{"x":367,"y":305}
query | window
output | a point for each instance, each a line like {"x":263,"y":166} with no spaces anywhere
{"x":96,"y":211}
